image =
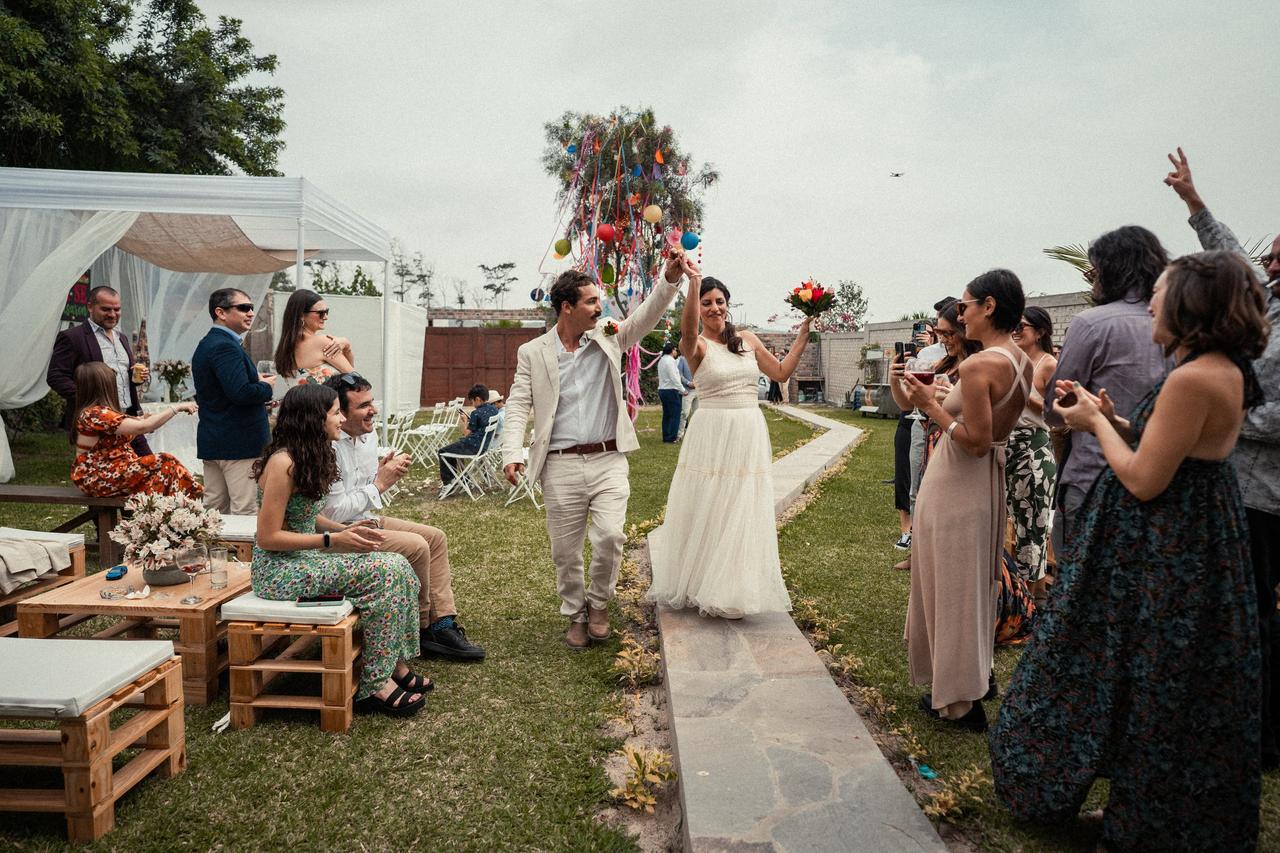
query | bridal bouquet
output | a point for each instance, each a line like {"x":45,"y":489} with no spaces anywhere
{"x":811,"y":298}
{"x":161,"y":525}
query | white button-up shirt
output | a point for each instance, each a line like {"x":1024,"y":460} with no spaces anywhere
{"x":354,"y":497}
{"x":588,"y":409}
{"x":669,"y":374}
{"x":115,"y":356}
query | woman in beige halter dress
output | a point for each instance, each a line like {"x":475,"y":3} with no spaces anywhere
{"x":959,"y":522}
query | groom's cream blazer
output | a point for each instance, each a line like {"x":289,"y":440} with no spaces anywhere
{"x":537,"y":382}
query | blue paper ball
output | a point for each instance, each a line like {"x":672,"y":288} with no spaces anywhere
{"x":690,"y":241}
{"x":637,"y":170}
{"x":536,"y":294}
{"x":572,"y":149}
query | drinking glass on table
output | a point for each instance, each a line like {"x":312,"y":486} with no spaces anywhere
{"x":218,"y":568}
{"x":193,"y":561}
{"x":922,"y":370}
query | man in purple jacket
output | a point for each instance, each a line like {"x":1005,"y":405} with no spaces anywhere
{"x":97,"y":339}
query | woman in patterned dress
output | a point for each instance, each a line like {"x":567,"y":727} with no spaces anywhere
{"x":292,"y":557}
{"x":106,"y":465}
{"x":1031,"y":473}
{"x":305,"y":353}
{"x":1144,"y":666}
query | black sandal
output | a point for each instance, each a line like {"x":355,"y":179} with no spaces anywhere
{"x":392,"y":706}
{"x":414,"y":683}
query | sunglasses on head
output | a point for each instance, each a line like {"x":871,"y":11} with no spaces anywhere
{"x":351,"y":378}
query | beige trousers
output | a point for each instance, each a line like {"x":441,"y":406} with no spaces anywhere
{"x":427,"y":550}
{"x":229,"y":486}
{"x":577,"y":490}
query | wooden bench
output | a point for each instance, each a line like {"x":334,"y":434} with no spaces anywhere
{"x":104,"y":512}
{"x":71,"y":573}
{"x":90,"y":734}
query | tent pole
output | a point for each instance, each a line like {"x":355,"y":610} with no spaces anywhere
{"x":387,"y":376}
{"x":297,"y":264}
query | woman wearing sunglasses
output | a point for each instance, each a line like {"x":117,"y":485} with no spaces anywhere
{"x":305,"y":353}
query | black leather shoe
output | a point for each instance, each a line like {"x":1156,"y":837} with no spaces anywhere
{"x":974,"y":721}
{"x":451,"y":643}
{"x":993,"y":690}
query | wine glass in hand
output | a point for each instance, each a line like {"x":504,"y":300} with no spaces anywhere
{"x":921,"y":370}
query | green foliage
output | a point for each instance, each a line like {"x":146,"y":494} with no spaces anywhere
{"x":847,"y":312}
{"x":326,"y":277}
{"x":44,"y":415}
{"x":1072,"y":253}
{"x":916,"y":315}
{"x":83,"y":85}
{"x":413,"y":274}
{"x":498,"y":280}
{"x":647,"y":770}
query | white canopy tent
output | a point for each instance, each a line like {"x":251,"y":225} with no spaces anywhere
{"x":165,"y":242}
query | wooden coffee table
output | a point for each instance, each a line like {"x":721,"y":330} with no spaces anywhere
{"x":199,"y":631}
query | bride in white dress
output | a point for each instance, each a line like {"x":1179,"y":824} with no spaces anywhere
{"x":718,"y":548}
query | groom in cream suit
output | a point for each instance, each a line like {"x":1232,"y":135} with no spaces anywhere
{"x":572,"y":379}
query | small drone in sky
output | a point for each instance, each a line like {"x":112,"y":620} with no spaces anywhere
{"x":895,"y":174}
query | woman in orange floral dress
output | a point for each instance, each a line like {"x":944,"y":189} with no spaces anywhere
{"x":106,"y":465}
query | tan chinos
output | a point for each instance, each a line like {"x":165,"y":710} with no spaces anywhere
{"x":586,"y":495}
{"x":427,"y":550}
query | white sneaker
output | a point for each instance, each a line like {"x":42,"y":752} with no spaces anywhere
{"x":904,"y":542}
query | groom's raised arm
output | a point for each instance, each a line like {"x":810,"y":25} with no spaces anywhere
{"x":632,"y":330}
{"x":519,"y":399}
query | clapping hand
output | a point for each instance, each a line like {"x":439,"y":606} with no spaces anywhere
{"x":1079,"y":408}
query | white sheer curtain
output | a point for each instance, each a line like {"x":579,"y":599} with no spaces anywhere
{"x":44,"y":252}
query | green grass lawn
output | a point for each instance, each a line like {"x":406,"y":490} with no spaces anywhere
{"x":506,"y":756}
{"x":839,"y":552}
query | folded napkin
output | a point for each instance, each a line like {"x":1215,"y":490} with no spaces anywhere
{"x":25,"y":560}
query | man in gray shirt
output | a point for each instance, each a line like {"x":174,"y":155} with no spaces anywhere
{"x":1108,"y":346}
{"x":1257,"y":453}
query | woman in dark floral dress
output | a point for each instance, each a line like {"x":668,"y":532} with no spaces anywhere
{"x":293,"y":557}
{"x":106,"y":465}
{"x":1144,"y":666}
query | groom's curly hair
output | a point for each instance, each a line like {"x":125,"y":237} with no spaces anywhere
{"x":566,"y":291}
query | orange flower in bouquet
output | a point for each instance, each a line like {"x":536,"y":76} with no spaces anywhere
{"x":810,"y":298}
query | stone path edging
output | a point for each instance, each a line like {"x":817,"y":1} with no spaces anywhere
{"x":771,"y":755}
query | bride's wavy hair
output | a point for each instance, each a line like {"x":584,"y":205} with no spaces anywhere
{"x":730,"y":338}
{"x":300,"y":433}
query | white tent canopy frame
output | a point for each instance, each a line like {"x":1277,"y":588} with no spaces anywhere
{"x":211,"y":229}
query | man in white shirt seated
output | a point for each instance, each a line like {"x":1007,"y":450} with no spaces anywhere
{"x":355,"y":496}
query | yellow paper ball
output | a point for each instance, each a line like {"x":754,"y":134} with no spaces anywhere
{"x":653,"y":214}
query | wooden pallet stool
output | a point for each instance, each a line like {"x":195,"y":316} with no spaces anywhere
{"x":238,"y":532}
{"x":81,"y":683}
{"x":75,"y":549}
{"x":257,"y":627}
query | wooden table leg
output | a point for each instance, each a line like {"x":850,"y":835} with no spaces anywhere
{"x":107,"y":516}
{"x":198,"y":647}
{"x":37,"y":624}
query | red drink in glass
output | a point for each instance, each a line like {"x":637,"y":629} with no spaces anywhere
{"x":925,"y":378}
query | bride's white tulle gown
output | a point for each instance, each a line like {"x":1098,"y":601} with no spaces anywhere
{"x":717,"y":549}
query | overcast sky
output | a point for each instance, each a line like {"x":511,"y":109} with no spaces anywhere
{"x":1017,"y":126}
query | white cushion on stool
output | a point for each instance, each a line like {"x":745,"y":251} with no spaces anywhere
{"x":250,"y":608}
{"x":71,"y":540}
{"x":239,"y":528}
{"x":65,"y":678}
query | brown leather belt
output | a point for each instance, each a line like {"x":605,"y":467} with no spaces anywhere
{"x":583,"y":449}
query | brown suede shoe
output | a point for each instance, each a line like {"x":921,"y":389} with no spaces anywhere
{"x":576,"y":637}
{"x":598,"y":623}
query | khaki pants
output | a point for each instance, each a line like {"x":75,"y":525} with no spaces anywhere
{"x":427,"y":550}
{"x":575,"y":487}
{"x":229,"y":486}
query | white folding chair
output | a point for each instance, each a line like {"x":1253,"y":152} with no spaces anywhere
{"x":524,"y":487}
{"x":421,"y":442}
{"x":470,"y":476}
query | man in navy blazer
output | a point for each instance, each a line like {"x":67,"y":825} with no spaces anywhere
{"x":96,"y":339}
{"x":233,"y":401}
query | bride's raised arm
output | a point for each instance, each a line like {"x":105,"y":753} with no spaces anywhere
{"x":692,"y":346}
{"x":780,"y":371}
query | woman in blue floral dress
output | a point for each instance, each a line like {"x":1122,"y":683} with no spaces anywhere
{"x":1144,"y":666}
{"x":292,"y":558}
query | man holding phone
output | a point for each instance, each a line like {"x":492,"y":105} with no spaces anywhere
{"x":352,"y":500}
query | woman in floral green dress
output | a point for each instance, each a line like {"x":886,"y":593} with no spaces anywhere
{"x":292,"y":558}
{"x":1031,"y":474}
{"x":1144,"y":668}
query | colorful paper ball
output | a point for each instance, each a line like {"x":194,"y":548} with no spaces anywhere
{"x":637,"y":170}
{"x":690,"y":241}
{"x":563,"y":246}
{"x":572,"y":149}
{"x":605,"y":232}
{"x":607,"y":274}
{"x":653,"y":214}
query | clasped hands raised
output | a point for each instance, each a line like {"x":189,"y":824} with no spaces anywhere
{"x":1084,"y":411}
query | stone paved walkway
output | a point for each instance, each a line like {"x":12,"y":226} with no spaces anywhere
{"x":771,"y":755}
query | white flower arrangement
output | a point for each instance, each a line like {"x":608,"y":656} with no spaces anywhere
{"x":161,"y":525}
{"x":173,"y":371}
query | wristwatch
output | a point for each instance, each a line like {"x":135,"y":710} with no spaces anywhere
{"x":326,"y":539}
